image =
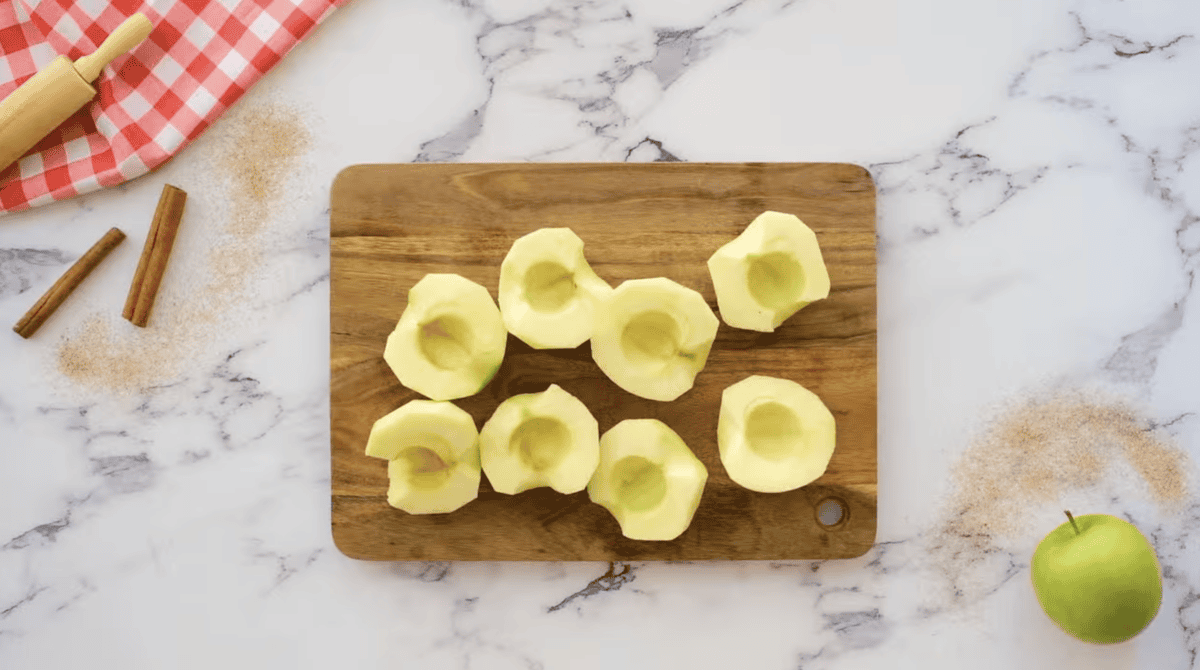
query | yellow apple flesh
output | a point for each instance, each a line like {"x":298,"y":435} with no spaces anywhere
{"x":769,"y":272}
{"x":548,"y":292}
{"x":648,"y":479}
{"x":653,"y":337}
{"x":432,"y":450}
{"x":450,"y":339}
{"x":773,"y":434}
{"x":540,"y":439}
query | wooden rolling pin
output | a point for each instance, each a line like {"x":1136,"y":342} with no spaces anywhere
{"x":56,"y":92}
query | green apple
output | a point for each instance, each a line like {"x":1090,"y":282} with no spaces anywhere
{"x":540,"y":439}
{"x":1098,"y":578}
{"x":450,"y":339}
{"x":768,"y":272}
{"x":432,"y":450}
{"x":548,"y":292}
{"x":773,"y":434}
{"x":653,"y":336}
{"x":648,"y":479}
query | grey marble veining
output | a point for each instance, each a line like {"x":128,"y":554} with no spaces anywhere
{"x":1038,"y":176}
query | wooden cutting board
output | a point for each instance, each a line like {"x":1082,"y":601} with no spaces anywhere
{"x":392,"y":224}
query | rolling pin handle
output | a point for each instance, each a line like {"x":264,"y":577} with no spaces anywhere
{"x":128,"y":35}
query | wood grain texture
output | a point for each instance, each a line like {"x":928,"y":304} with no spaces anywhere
{"x":392,"y":224}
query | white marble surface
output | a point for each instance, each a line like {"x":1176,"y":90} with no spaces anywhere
{"x":1038,"y":165}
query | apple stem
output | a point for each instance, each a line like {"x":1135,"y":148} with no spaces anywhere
{"x":1072,"y":519}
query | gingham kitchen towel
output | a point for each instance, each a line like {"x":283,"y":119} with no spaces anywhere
{"x":201,"y":57}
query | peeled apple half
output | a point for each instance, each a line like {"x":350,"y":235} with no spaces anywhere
{"x":432,"y":450}
{"x":768,"y":273}
{"x":773,"y":434}
{"x":450,"y":340}
{"x":548,"y":292}
{"x":540,"y":439}
{"x":648,"y":479}
{"x":653,"y":336}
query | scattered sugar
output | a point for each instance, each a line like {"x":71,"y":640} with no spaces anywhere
{"x":1032,"y":456}
{"x":236,"y":177}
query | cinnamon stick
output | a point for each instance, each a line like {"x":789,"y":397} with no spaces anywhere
{"x":153,"y":263}
{"x":66,"y":284}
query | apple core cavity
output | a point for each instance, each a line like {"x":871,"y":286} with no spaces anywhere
{"x":648,"y":479}
{"x":548,"y":292}
{"x":653,"y":337}
{"x":770,"y":271}
{"x":432,"y":451}
{"x":773,"y":434}
{"x":540,"y":439}
{"x":450,"y":339}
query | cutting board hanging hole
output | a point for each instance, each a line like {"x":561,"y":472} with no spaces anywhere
{"x":832,"y":513}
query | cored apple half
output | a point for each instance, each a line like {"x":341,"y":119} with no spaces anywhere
{"x":773,"y":434}
{"x":653,"y":336}
{"x":768,"y":273}
{"x":450,"y":339}
{"x":540,"y":439}
{"x":548,"y":292}
{"x":648,"y":479}
{"x":432,"y":450}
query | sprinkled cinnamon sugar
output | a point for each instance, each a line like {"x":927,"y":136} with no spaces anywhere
{"x":96,"y":357}
{"x":1034,"y":456}
{"x":260,"y":156}
{"x":236,"y":178}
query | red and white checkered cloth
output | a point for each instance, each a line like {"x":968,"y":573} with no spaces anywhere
{"x":201,"y":56}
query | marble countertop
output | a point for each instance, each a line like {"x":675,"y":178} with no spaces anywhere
{"x":165,"y":495}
